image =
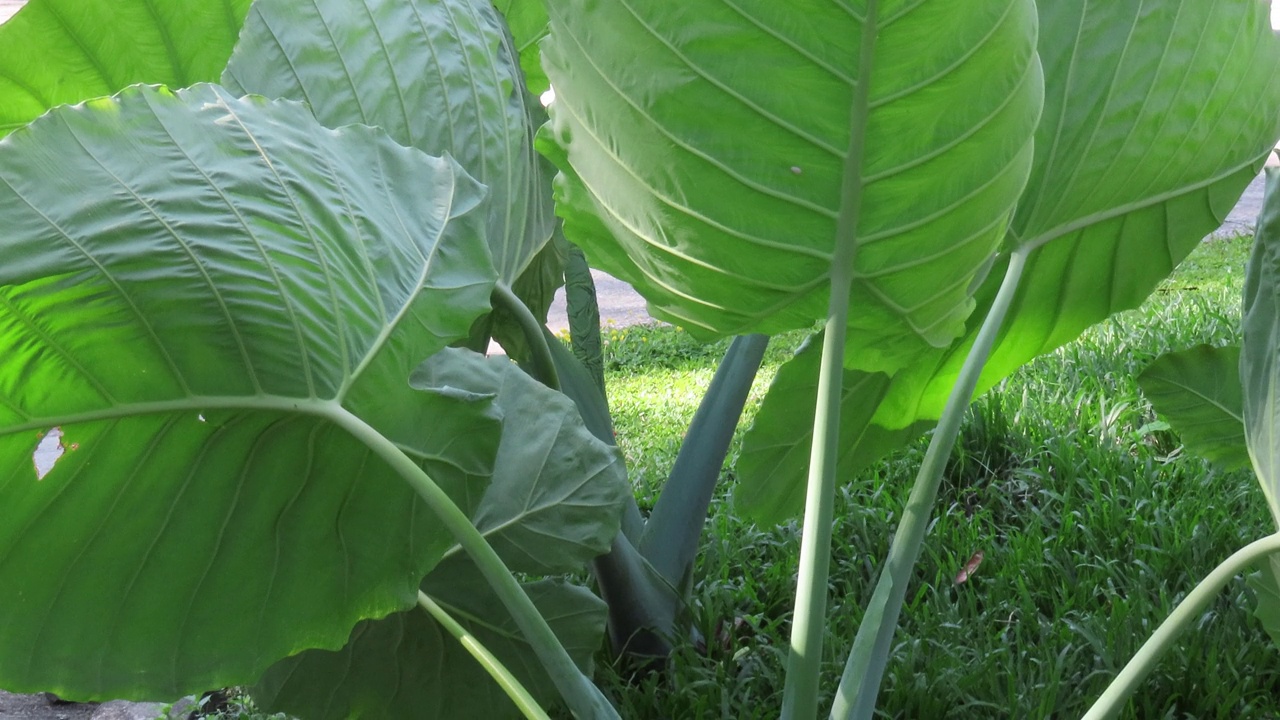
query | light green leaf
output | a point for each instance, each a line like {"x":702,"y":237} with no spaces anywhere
{"x":407,"y":666}
{"x":438,"y":75}
{"x":703,"y":148}
{"x":774,"y":460}
{"x":527,"y":21}
{"x":1259,"y":371}
{"x":56,"y":52}
{"x":1198,"y":391}
{"x":1156,"y":118}
{"x":557,"y":492}
{"x":206,"y":329}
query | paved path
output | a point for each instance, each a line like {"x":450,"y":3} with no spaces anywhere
{"x":9,"y":7}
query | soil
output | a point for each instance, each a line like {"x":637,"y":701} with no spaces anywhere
{"x":39,"y":707}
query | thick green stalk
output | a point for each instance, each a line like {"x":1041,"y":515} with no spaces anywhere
{"x":800,"y":694}
{"x":544,"y":368}
{"x":1191,"y":608}
{"x":670,"y":539}
{"x":499,"y":672}
{"x":860,"y":684}
{"x":582,"y":697}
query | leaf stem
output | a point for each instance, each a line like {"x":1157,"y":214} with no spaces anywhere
{"x":499,"y":672}
{"x":860,"y":684}
{"x":800,"y":694}
{"x":1192,"y":606}
{"x":544,"y":368}
{"x":582,"y":697}
{"x":670,"y":539}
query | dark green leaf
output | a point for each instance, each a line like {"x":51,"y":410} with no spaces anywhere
{"x":554,"y":504}
{"x":557,"y":492}
{"x":1198,"y":392}
{"x":407,"y":666}
{"x":1266,"y":583}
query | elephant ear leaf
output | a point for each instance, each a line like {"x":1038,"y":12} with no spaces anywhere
{"x":554,"y":504}
{"x":221,"y":332}
{"x":1266,"y":585}
{"x":1156,"y":118}
{"x":685,"y":172}
{"x":1260,"y":378}
{"x":527,"y":20}
{"x":57,"y":52}
{"x":407,"y":666}
{"x":438,"y":75}
{"x":1259,"y":370}
{"x":1198,"y":391}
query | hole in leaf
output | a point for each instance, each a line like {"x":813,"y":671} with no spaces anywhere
{"x":48,"y":451}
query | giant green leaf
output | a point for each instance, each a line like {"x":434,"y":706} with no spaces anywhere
{"x":407,"y":666}
{"x":1259,"y":369}
{"x":703,"y":150}
{"x":554,"y":504}
{"x":55,"y":52}
{"x":218,"y":303}
{"x":1198,"y":391}
{"x":438,"y":75}
{"x":1157,"y":116}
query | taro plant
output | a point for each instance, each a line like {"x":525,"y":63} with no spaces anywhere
{"x":230,"y":315}
{"x":336,"y":272}
{"x":233,"y":305}
{"x":951,"y":188}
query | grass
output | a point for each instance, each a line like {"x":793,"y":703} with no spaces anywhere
{"x":1091,"y":521}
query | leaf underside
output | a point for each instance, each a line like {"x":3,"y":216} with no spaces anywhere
{"x":240,"y":284}
{"x":686,"y":172}
{"x":440,"y":76}
{"x":1156,"y":118}
{"x":1259,"y":371}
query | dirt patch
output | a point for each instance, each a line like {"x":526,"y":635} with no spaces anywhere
{"x":39,"y":707}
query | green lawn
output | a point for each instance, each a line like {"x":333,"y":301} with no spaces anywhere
{"x":1093,"y":524}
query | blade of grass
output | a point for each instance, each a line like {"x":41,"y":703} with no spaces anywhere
{"x":1192,"y":607}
